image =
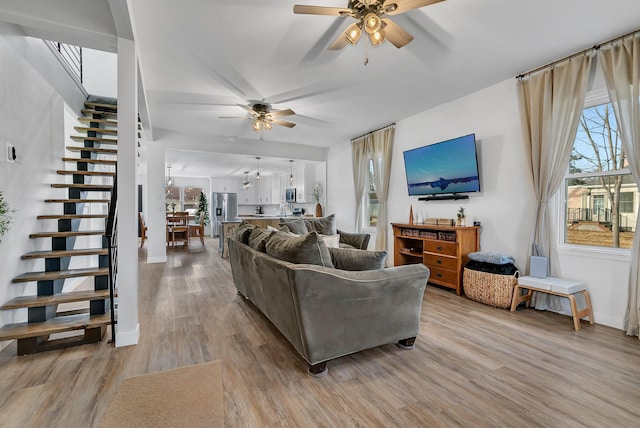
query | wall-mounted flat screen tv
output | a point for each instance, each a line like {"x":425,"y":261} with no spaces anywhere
{"x":448,"y":167}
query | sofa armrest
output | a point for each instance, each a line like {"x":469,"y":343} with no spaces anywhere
{"x":356,"y":240}
{"x":341,"y":312}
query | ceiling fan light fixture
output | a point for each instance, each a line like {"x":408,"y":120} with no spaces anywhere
{"x":353,"y":33}
{"x":267,"y":125}
{"x":257,"y":125}
{"x":372,"y":22}
{"x":377,"y":38}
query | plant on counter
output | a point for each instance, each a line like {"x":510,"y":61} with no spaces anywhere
{"x":316,"y":192}
{"x":460,"y":216}
{"x":5,"y":216}
{"x":203,"y":207}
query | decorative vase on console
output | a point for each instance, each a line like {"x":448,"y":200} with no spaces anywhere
{"x":316,"y":194}
{"x":461,"y":217}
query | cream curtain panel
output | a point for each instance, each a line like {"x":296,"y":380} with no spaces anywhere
{"x":360,"y":159}
{"x":551,"y":102}
{"x":620,"y":63}
{"x":378,"y":147}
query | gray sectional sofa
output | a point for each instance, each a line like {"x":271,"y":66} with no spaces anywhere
{"x":328,"y":302}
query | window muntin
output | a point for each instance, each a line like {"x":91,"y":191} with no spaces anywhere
{"x":600,"y":192}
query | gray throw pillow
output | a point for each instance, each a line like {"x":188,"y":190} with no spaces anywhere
{"x":353,"y":259}
{"x":243,"y":231}
{"x":309,"y":248}
{"x":258,"y":239}
{"x":295,"y":225}
{"x":323,"y":225}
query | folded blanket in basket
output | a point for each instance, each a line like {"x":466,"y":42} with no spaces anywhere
{"x":489,"y":257}
{"x":504,"y":269}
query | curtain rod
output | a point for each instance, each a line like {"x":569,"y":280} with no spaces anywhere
{"x":375,"y":130}
{"x":582,"y":52}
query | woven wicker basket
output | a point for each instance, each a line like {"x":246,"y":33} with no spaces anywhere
{"x":489,"y":288}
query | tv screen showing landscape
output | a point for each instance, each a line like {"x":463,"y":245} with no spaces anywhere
{"x":447,"y":167}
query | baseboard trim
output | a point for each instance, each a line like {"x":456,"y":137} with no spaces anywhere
{"x":128,"y":338}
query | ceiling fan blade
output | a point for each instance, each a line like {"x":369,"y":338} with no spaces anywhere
{"x":407,"y":5}
{"x":321,"y":10}
{"x":340,"y":42}
{"x":247,"y":108}
{"x":395,"y":33}
{"x":281,"y":113}
{"x":234,"y":117}
{"x":284,"y":123}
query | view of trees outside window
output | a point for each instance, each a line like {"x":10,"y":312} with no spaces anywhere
{"x":372,"y":199}
{"x":173,"y":199}
{"x":601,"y":195}
{"x":191,"y":196}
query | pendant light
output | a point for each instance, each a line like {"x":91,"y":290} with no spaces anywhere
{"x":169,"y":182}
{"x":258,"y":173}
{"x":291,"y":169}
{"x":247,"y":184}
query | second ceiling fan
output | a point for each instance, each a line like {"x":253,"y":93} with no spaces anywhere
{"x":263,"y":117}
{"x":369,"y":17}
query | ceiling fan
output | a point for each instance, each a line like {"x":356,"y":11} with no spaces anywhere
{"x":263,"y":117}
{"x":369,"y":16}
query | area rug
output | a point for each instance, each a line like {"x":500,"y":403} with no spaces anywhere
{"x":185,"y":397}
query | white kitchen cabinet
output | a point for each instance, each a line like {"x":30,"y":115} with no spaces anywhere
{"x":246,"y":196}
{"x":304,"y":177}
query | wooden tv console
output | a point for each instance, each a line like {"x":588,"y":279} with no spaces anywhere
{"x":443,"y":249}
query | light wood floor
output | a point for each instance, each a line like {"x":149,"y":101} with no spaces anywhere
{"x":473,"y":365}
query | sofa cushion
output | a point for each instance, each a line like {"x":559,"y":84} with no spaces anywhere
{"x":258,"y":238}
{"x":278,"y":229}
{"x":323,"y":225}
{"x":309,"y":248}
{"x":243,"y":231}
{"x":353,"y":259}
{"x":332,"y":241}
{"x":295,"y":225}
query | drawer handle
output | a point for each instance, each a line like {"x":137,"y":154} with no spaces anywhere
{"x":439,"y":262}
{"x":439,"y":248}
{"x":438,"y":274}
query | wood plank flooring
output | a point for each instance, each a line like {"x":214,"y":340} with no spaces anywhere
{"x":473,"y":365}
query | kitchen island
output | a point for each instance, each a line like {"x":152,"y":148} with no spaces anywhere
{"x":261,"y":220}
{"x":228,"y":229}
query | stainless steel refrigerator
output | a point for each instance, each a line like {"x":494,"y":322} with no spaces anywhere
{"x":224,"y":208}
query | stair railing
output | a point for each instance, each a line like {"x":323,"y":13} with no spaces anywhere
{"x":111,"y":234}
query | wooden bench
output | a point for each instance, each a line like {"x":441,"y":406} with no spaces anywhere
{"x":557,"y":287}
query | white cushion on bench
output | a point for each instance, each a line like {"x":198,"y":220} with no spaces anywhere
{"x":557,"y":285}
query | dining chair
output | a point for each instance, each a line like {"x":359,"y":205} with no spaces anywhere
{"x":178,"y":228}
{"x":143,"y":229}
{"x":197,"y":229}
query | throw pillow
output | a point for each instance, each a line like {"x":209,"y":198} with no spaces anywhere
{"x":332,"y":241}
{"x":258,"y":239}
{"x":243,"y":231}
{"x":352,"y":259}
{"x":323,"y":225}
{"x":280,"y":229}
{"x":309,"y":248}
{"x":295,"y":225}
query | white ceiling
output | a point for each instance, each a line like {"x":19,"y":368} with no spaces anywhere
{"x":199,"y":59}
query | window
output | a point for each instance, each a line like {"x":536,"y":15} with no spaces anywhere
{"x":600,"y":192}
{"x":191,"y":199}
{"x":173,"y":199}
{"x":372,"y":199}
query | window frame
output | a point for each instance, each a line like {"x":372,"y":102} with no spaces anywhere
{"x":367,"y":226}
{"x":598,"y":97}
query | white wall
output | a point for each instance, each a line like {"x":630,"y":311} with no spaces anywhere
{"x":32,"y":119}
{"x":505,"y":207}
{"x":100,"y":71}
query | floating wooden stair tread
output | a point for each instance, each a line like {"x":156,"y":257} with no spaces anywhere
{"x":97,"y":130}
{"x":89,"y":112}
{"x":92,"y":150}
{"x":77,"y":201}
{"x":65,"y":253}
{"x":100,"y":173}
{"x":66,"y":234}
{"x":97,"y":187}
{"x":101,"y":105}
{"x":54,"y":325}
{"x":63,"y":274}
{"x":100,"y":140}
{"x":69,"y":216}
{"x":56,"y":299}
{"x":100,"y":161}
{"x":103,"y":121}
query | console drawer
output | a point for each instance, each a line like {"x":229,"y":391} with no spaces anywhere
{"x":443,"y":277}
{"x":441,"y":247}
{"x":439,"y":261}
